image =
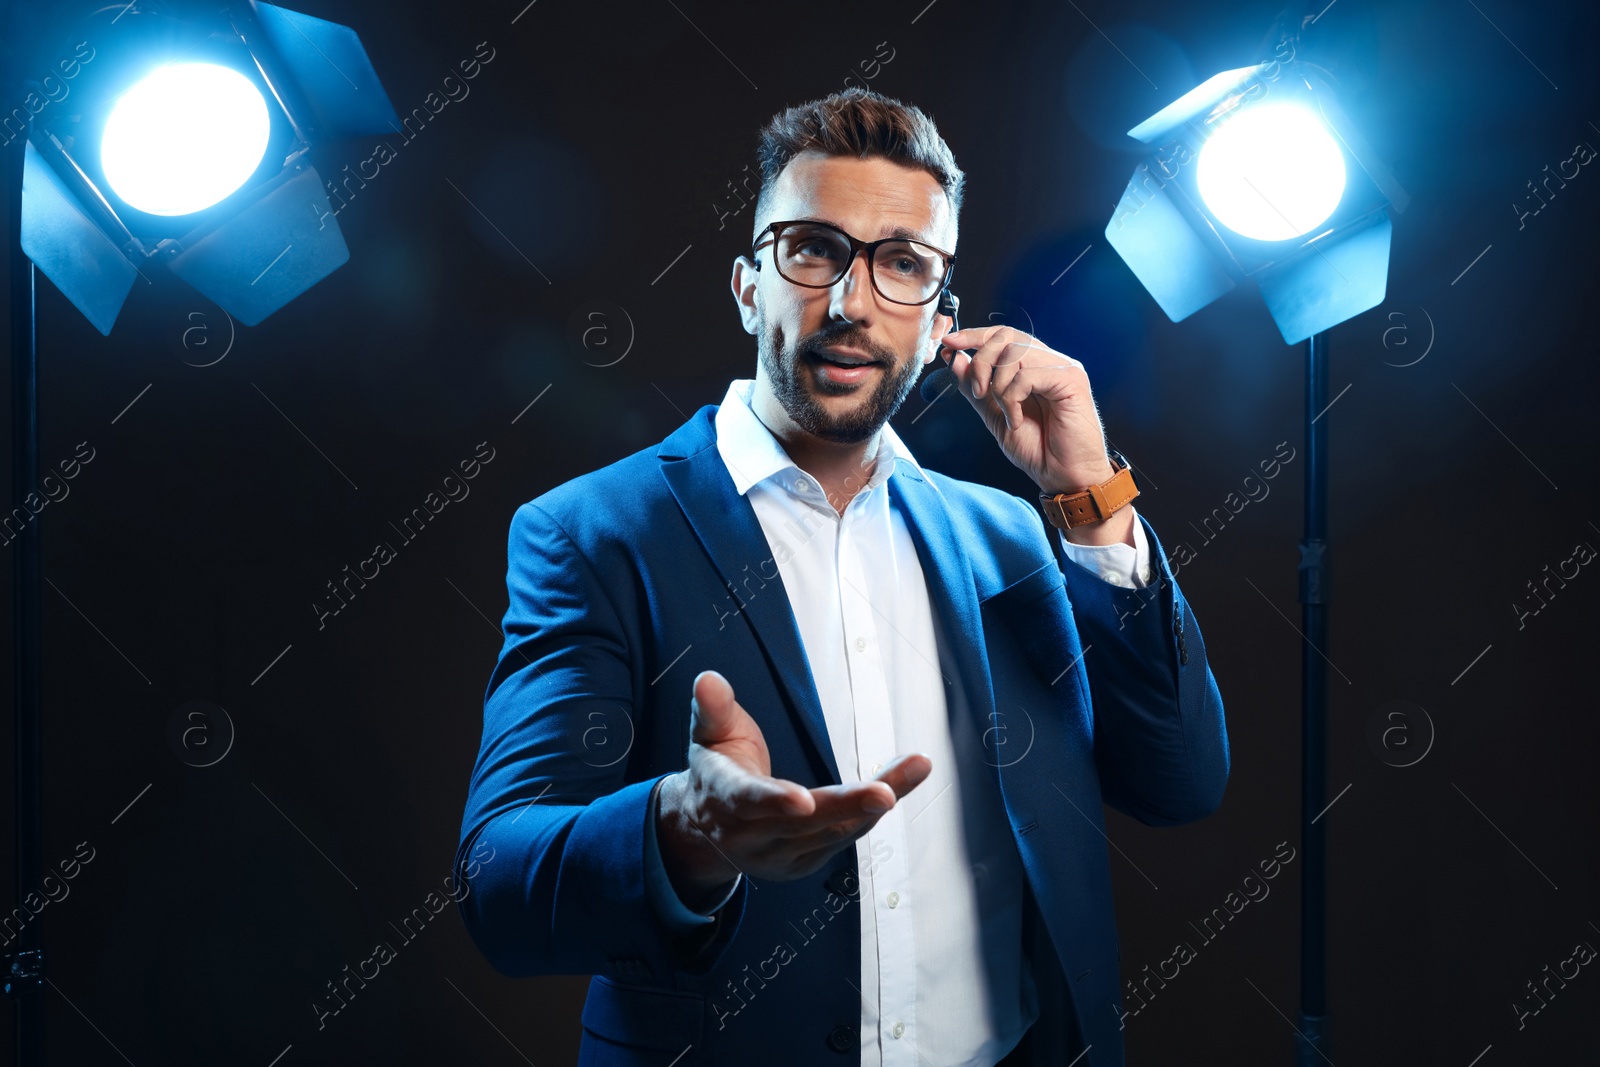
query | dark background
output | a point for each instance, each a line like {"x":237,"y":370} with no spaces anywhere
{"x":598,"y":145}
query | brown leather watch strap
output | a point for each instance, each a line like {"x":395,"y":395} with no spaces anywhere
{"x":1098,"y":502}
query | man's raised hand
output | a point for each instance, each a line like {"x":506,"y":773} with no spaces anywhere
{"x":725,"y":814}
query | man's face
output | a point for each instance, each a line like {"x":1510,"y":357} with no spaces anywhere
{"x":867,"y":198}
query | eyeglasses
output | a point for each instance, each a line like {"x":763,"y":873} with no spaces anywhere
{"x":816,"y":255}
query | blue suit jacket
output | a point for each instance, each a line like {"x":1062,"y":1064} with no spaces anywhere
{"x":627,"y":582}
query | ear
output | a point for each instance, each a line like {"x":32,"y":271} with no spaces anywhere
{"x":746,"y":293}
{"x":942,"y":324}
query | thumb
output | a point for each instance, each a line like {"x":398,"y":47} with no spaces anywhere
{"x":713,"y":711}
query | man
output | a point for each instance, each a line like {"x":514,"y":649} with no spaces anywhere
{"x":852,"y":812}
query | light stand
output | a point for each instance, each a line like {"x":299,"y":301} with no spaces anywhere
{"x":1312,"y":1047}
{"x":24,"y":977}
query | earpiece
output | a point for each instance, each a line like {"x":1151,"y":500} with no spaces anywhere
{"x":949,"y":304}
{"x":940,"y":379}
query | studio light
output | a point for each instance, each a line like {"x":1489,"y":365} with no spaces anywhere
{"x":184,"y":137}
{"x":175,"y":135}
{"x":186,"y":146}
{"x":1271,"y":173}
{"x":1257,"y":173}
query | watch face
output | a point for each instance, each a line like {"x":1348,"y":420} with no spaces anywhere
{"x":1121,"y":463}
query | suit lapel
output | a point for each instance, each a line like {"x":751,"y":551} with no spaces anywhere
{"x":950,"y":583}
{"x":726,"y":525}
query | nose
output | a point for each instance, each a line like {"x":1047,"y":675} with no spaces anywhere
{"x":851,"y":297}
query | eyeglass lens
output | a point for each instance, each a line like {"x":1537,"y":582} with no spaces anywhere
{"x":904,"y":271}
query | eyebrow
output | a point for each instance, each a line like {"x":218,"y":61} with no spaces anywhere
{"x":898,"y":231}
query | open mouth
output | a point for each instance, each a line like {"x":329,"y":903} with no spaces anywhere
{"x":840,"y":369}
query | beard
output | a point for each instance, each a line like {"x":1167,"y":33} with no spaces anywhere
{"x":798,"y":387}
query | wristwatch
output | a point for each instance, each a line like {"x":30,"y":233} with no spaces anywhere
{"x":1098,"y":502}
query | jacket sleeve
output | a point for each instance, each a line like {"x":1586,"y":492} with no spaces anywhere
{"x":1160,"y":739}
{"x":675,"y":914}
{"x":553,"y":842}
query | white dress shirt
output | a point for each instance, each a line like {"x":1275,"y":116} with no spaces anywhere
{"x":943,"y":978}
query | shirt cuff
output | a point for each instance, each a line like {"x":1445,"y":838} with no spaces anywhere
{"x":658,"y":887}
{"x":1122,"y":565}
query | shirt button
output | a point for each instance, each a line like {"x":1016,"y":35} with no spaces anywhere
{"x":899,"y":1028}
{"x":894,"y":902}
{"x":861,"y":644}
{"x":876,"y":767}
{"x":801,"y":485}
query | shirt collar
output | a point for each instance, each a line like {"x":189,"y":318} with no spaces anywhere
{"x":753,"y":454}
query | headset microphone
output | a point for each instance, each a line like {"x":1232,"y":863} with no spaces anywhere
{"x":941,"y":379}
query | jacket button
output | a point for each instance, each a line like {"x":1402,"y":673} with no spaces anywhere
{"x":842,"y":1038}
{"x":844,"y":882}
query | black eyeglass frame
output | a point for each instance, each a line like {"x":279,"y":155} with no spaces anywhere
{"x":870,"y":247}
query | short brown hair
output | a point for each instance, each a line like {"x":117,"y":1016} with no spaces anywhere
{"x":857,"y":122}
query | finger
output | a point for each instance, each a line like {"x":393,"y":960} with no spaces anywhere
{"x":1058,"y":378}
{"x":853,"y":799}
{"x":835,"y":805}
{"x":905,"y":773}
{"x":1006,"y":356}
{"x":971,"y":337}
{"x":843,"y":814}
{"x":1010,"y":394}
{"x":856,"y":800}
{"x":981,"y":363}
{"x":968,"y":370}
{"x":1014,"y":356}
{"x":966,"y":342}
{"x":1009,"y":364}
